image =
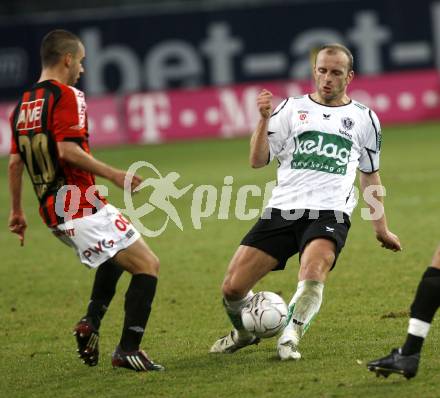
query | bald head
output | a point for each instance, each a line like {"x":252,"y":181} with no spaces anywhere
{"x":334,"y":49}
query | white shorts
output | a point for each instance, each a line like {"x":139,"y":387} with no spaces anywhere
{"x":98,"y":237}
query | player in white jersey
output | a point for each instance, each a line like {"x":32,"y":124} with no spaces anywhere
{"x":319,"y":140}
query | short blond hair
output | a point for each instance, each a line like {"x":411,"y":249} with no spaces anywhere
{"x":332,"y":49}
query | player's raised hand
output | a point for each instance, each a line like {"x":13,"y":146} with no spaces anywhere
{"x":389,"y":241}
{"x":17,"y":225}
{"x":264,"y":103}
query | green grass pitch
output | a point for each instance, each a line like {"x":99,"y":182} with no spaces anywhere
{"x":44,"y":290}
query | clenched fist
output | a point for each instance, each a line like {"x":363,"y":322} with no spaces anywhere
{"x":264,"y":104}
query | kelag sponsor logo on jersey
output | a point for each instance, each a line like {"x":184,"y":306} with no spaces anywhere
{"x":320,"y":151}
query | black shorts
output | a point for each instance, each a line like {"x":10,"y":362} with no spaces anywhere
{"x":282,"y":234}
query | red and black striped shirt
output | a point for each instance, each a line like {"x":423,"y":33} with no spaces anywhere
{"x":48,"y":113}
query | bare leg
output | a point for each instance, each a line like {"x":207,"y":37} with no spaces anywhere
{"x":247,"y":267}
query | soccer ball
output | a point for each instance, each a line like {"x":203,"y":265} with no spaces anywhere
{"x":265,"y":314}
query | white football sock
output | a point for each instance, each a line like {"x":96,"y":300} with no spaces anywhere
{"x":418,"y":328}
{"x":303,"y":307}
{"x":233,"y":309}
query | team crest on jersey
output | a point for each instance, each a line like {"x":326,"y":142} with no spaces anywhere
{"x":303,"y":116}
{"x":347,"y":123}
{"x":29,"y":116}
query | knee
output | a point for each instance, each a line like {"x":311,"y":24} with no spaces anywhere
{"x":317,"y":269}
{"x":230,"y":291}
{"x":148,"y":265}
{"x":154,"y":265}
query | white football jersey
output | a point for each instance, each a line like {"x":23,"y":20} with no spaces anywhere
{"x":319,"y":148}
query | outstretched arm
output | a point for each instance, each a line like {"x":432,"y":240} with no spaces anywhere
{"x":17,"y":220}
{"x":73,"y":154}
{"x":259,"y":152}
{"x":371,"y":187}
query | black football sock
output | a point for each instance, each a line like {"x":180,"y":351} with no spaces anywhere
{"x":413,"y":344}
{"x":423,"y":309}
{"x":104,"y":288}
{"x":138,"y":300}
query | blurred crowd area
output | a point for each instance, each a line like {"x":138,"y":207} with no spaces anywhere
{"x":166,"y":70}
{"x":21,"y":7}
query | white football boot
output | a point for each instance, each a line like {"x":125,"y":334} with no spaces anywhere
{"x":287,"y":346}
{"x":230,"y":343}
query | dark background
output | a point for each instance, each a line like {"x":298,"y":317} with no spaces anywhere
{"x":153,"y":45}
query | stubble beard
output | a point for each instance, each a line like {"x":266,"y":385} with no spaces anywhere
{"x":73,"y":78}
{"x":335,"y":94}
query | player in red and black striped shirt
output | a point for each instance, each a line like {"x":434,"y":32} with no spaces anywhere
{"x":50,"y":137}
{"x":48,"y":113}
